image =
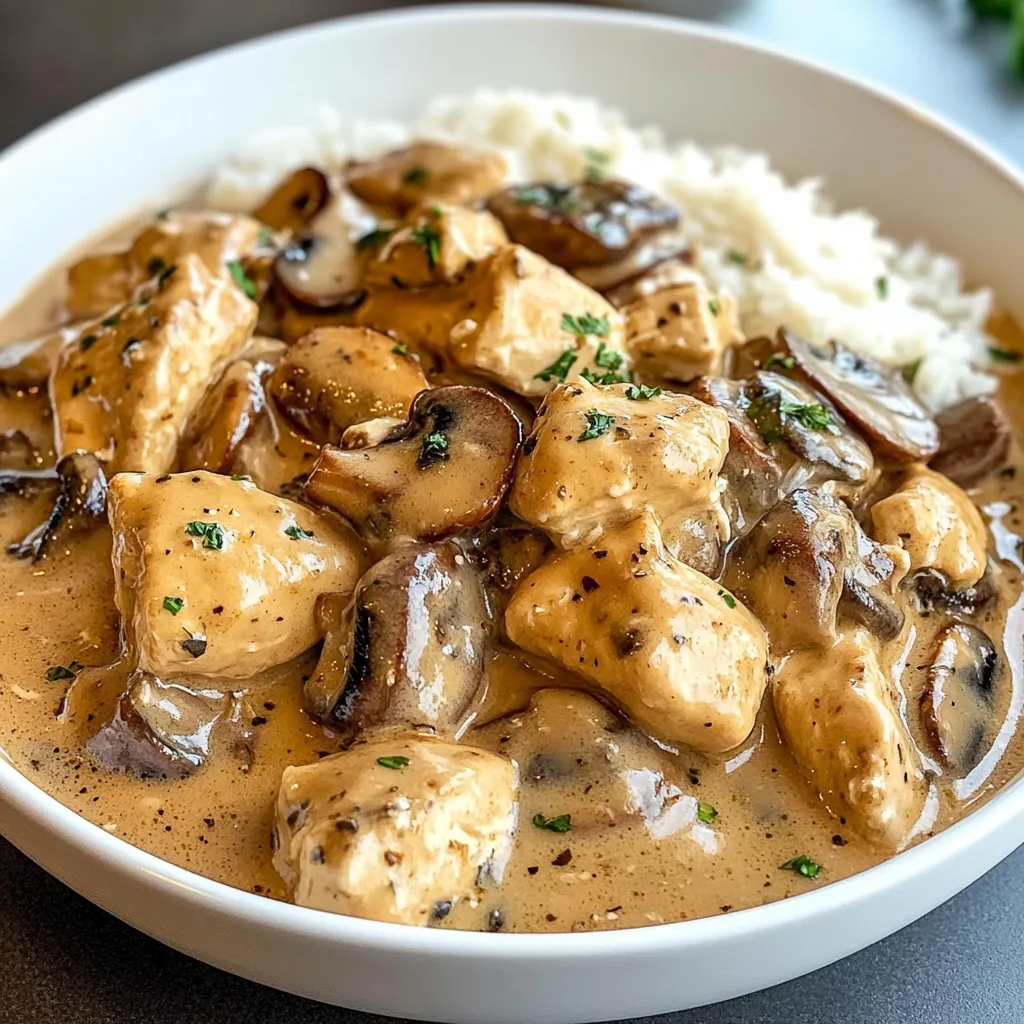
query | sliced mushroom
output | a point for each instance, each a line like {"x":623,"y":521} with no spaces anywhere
{"x":409,"y":648}
{"x":958,"y":705}
{"x":426,"y":171}
{"x":295,"y":201}
{"x":806,"y":564}
{"x":369,"y":433}
{"x":443,"y":471}
{"x":874,"y":398}
{"x":159,"y":730}
{"x":656,"y":263}
{"x":582,"y":225}
{"x":339,"y":376}
{"x":80,"y":505}
{"x":974,"y":439}
{"x":931,"y":592}
{"x":321,"y":271}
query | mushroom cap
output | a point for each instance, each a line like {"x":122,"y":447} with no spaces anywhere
{"x":295,"y":200}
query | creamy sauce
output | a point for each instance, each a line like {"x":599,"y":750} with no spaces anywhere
{"x":657,"y":836}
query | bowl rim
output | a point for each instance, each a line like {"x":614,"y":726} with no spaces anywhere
{"x":118,"y":855}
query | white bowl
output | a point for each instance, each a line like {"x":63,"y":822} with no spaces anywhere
{"x":919,"y":175}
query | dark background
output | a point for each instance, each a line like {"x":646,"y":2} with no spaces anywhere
{"x":65,"y":961}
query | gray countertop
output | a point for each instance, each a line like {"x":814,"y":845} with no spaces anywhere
{"x":66,"y":961}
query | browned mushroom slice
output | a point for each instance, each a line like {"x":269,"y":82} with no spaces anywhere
{"x":931,"y":591}
{"x":443,"y":471}
{"x":958,"y":705}
{"x":658,"y":262}
{"x":805,"y":564}
{"x":875,"y":398}
{"x":158,"y":730}
{"x":426,"y":171}
{"x":339,"y":376}
{"x":295,"y":201}
{"x":582,"y":225}
{"x":229,"y":411}
{"x":81,"y":504}
{"x":974,"y":439}
{"x":410,"y":647}
{"x":321,"y":270}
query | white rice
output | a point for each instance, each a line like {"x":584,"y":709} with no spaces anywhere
{"x":822,"y":273}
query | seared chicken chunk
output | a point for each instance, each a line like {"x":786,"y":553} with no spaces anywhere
{"x":597,"y":457}
{"x":676,"y":652}
{"x":336,"y":377}
{"x":838,"y":714}
{"x":937,"y":525}
{"x":125,"y":386}
{"x":437,"y":245}
{"x":98,"y":282}
{"x":529,"y":325}
{"x":216,"y":578}
{"x":395,"y":827}
{"x":426,"y":172}
{"x":681,"y":332}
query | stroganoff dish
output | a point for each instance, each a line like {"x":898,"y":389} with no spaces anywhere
{"x":444,"y":544}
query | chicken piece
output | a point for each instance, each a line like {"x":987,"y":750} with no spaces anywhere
{"x":100,"y":281}
{"x":678,"y":654}
{"x":596,"y":457}
{"x":681,"y":332}
{"x":838,"y":715}
{"x":396,"y":827}
{"x":529,"y":325}
{"x":806,"y":565}
{"x":216,"y":578}
{"x":437,"y":245}
{"x":336,"y":377}
{"x":125,"y":386}
{"x":936,"y":524}
{"x":426,"y":172}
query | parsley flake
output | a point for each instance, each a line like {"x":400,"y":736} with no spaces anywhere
{"x":394,"y":761}
{"x":611,"y":377}
{"x":560,"y":823}
{"x":598,"y":423}
{"x":553,"y":198}
{"x":607,"y":357}
{"x":155,"y":266}
{"x":242,"y":476}
{"x":242,"y":279}
{"x":736,"y":257}
{"x":58,"y":673}
{"x":802,"y":865}
{"x":727,"y":598}
{"x":586,"y":324}
{"x":374,"y":239}
{"x":882,"y":287}
{"x":909,"y":372}
{"x":111,"y":321}
{"x":415,"y":176}
{"x":426,"y":236}
{"x":173,"y":604}
{"x":786,"y":362}
{"x":400,"y":349}
{"x":641,"y":392}
{"x":706,"y":813}
{"x":559,"y":369}
{"x":433,"y":449}
{"x":1003,"y":355}
{"x":714,"y":307}
{"x":298,"y":533}
{"x":88,"y":341}
{"x":212,"y":534}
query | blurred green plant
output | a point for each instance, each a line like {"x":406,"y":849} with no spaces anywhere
{"x":1007,"y":10}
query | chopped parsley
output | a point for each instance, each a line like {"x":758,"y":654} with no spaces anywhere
{"x":394,"y":761}
{"x":88,"y":341}
{"x":909,"y":372}
{"x":559,"y":369}
{"x":58,"y":673}
{"x":433,"y":449}
{"x":560,"y":823}
{"x":727,"y":598}
{"x":802,"y":865}
{"x":173,"y":604}
{"x":435,"y":211}
{"x":714,"y":307}
{"x":242,"y":279}
{"x":786,"y":362}
{"x":736,"y":257}
{"x":611,"y":377}
{"x":241,"y":476}
{"x":586,"y":324}
{"x":155,"y":266}
{"x":164,"y":276}
{"x":552,"y":198}
{"x":415,"y":176}
{"x":264,"y":239}
{"x":111,"y":321}
{"x":298,"y":533}
{"x":598,"y":423}
{"x":607,"y":358}
{"x":164,"y":213}
{"x":706,"y":813}
{"x":212,"y":534}
{"x":1003,"y":355}
{"x":641,"y":392}
{"x":882,"y":287}
{"x":426,"y":236}
{"x":770,"y":413}
{"x":374,"y":239}
{"x":400,"y":349}
{"x":597,"y":163}
{"x":814,"y":416}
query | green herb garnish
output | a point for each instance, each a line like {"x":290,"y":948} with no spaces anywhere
{"x":241,"y":476}
{"x":641,"y":392}
{"x":400,"y":349}
{"x":164,"y":213}
{"x":607,"y":358}
{"x":586,"y":324}
{"x":611,"y":377}
{"x":559,"y":369}
{"x":393,"y":761}
{"x":909,"y":372}
{"x":560,"y":823}
{"x":786,"y":362}
{"x":802,"y":865}
{"x":433,"y":449}
{"x":705,"y":812}
{"x":212,"y":534}
{"x":111,"y":321}
{"x":554,"y":198}
{"x":882,"y":287}
{"x":155,"y":266}
{"x":60,"y":672}
{"x":727,"y":598}
{"x":714,"y":307}
{"x":814,"y":416}
{"x":415,"y":176}
{"x":242,"y":279}
{"x":426,"y":236}
{"x":374,"y":239}
{"x":1003,"y":355}
{"x":598,"y":423}
{"x":88,"y":341}
{"x":173,"y":604}
{"x":736,"y":257}
{"x":298,"y":533}
{"x":597,"y":162}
